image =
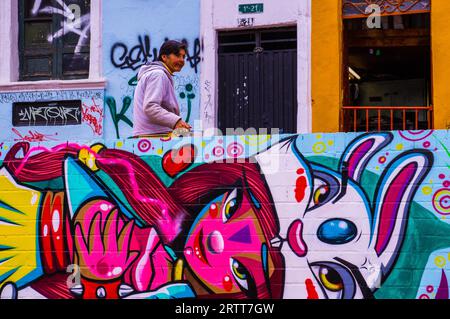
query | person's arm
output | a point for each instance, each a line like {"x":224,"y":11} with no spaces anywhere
{"x":153,"y":98}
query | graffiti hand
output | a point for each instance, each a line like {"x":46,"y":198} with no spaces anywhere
{"x":106,"y":255}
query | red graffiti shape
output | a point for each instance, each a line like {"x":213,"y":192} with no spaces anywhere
{"x":300,"y":186}
{"x":312,"y":293}
{"x":93,"y":116}
{"x":33,"y":136}
{"x":176,"y":161}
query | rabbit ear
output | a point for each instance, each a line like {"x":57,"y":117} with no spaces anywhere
{"x":395,"y":191}
{"x":361,"y":151}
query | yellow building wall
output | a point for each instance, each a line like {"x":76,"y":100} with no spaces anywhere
{"x":440,"y":46}
{"x":326,"y":75}
{"x":326,"y":60}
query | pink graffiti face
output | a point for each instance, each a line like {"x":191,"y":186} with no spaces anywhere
{"x":225,"y":247}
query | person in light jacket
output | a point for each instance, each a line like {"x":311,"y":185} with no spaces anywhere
{"x":156,"y":109}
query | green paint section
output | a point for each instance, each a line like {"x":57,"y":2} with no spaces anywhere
{"x":56,"y":184}
{"x":331,"y":163}
{"x":425,"y":234}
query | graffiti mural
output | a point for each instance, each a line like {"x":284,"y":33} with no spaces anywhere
{"x":92,"y":114}
{"x":39,"y":116}
{"x":187,"y":90}
{"x":133,"y":58}
{"x":119,"y":116}
{"x":327,"y":216}
{"x":126,"y":59}
{"x":33,"y":136}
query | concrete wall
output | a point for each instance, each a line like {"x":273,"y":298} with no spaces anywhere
{"x":307,"y":216}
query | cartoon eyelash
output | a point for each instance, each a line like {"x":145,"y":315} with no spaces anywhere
{"x":337,"y":282}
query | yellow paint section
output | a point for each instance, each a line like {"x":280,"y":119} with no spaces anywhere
{"x":326,"y":44}
{"x":18,"y":228}
{"x":440,"y":47}
{"x":88,"y":157}
{"x":178,"y":271}
{"x":440,"y":261}
{"x":427,"y":190}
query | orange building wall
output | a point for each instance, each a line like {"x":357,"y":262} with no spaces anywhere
{"x":440,"y":40}
{"x":326,"y":65}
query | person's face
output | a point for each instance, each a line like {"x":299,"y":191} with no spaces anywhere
{"x":175,"y":62}
{"x":225,"y":247}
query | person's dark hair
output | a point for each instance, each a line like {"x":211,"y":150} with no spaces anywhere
{"x":171,"y":46}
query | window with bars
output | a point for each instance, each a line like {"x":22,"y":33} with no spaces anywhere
{"x":54,"y":39}
{"x":362,"y":8}
{"x":387,"y":65}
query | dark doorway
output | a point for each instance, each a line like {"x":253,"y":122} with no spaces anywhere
{"x":258,"y":80}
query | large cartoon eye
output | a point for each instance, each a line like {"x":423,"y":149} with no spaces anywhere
{"x":321,"y":194}
{"x":242,"y":276}
{"x":231,"y":205}
{"x":337,"y":281}
{"x":330,"y":279}
{"x":326,"y":188}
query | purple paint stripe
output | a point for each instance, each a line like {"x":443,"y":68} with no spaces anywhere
{"x":391,"y":204}
{"x":442,"y":292}
{"x":358,"y":155}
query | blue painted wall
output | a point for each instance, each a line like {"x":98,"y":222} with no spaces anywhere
{"x":132,"y":32}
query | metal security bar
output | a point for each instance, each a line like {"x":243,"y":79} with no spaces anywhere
{"x":353,"y":9}
{"x":382,"y":118}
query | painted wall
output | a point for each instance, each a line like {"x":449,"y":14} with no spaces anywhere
{"x":440,"y":57}
{"x":132,"y":35}
{"x":307,"y":216}
{"x":326,"y":55}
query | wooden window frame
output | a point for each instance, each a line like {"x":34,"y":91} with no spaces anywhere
{"x":9,"y":51}
{"x":366,"y":109}
{"x":57,"y":51}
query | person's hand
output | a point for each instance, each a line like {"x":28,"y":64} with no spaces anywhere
{"x":182,"y":125}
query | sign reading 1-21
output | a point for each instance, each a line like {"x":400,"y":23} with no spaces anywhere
{"x":251,"y":8}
